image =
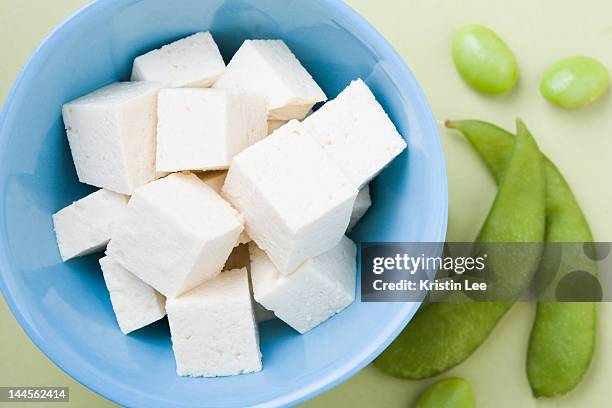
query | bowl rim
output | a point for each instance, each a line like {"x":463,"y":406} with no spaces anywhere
{"x":331,"y":378}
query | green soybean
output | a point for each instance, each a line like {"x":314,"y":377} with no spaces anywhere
{"x":575,"y":82}
{"x":448,"y":393}
{"x":483,"y":60}
{"x":562,"y":339}
{"x":443,"y":334}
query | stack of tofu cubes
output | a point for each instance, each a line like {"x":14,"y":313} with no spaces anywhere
{"x":223,"y":199}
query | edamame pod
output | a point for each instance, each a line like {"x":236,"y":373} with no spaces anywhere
{"x":448,"y":393}
{"x":562,"y":339}
{"x":443,"y":335}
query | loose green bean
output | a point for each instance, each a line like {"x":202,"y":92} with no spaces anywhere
{"x":442,"y":334}
{"x":448,"y":393}
{"x":562,"y":340}
{"x":483,"y":60}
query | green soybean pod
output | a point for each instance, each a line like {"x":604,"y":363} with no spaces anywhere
{"x":483,"y":60}
{"x":442,"y":334}
{"x":575,"y":82}
{"x":448,"y":393}
{"x":562,"y":339}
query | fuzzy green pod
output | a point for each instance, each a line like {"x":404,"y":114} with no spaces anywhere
{"x":483,"y":60}
{"x":443,"y":334}
{"x":575,"y":82}
{"x":562,"y":339}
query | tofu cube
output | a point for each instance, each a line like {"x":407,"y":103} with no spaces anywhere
{"x":203,"y":129}
{"x":213,"y":328}
{"x":356,"y":133}
{"x":193,"y":61}
{"x":85,"y":226}
{"x":319,"y":288}
{"x":269,"y":68}
{"x":362,"y":203}
{"x":176,"y":234}
{"x":295,"y":200}
{"x":135,"y":303}
{"x":111,"y":133}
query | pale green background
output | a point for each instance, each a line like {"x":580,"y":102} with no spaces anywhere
{"x":580,"y":142}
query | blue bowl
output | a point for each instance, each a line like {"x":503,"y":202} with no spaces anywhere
{"x":65,"y":308}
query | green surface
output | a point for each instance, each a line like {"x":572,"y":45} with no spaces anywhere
{"x":578,"y":141}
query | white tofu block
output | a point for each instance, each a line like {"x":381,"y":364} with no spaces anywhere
{"x":295,"y":200}
{"x":213,"y":328}
{"x":85,"y":226}
{"x":216,"y":179}
{"x":319,"y":288}
{"x":274,"y":124}
{"x":362,"y":203}
{"x":269,"y":68}
{"x":356,"y":132}
{"x":176,"y":233}
{"x":111,"y":133}
{"x":203,"y":129}
{"x":193,"y":61}
{"x":135,"y":303}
